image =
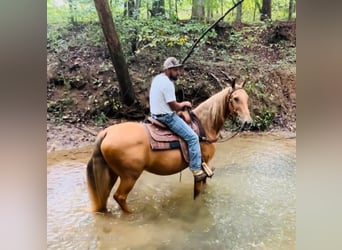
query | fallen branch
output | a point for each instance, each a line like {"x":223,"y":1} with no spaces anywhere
{"x":227,"y":75}
{"x":215,"y":77}
{"x":87,"y":131}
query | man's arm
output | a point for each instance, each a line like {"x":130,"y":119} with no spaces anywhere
{"x":177,"y":106}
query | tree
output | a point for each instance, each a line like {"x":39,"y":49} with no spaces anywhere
{"x":115,"y":50}
{"x":266,"y":10}
{"x":290,"y":9}
{"x":137,"y":9}
{"x":73,"y":11}
{"x":176,"y":9}
{"x":158,"y":8}
{"x":238,"y":13}
{"x":209,"y":9}
{"x":129,"y":8}
{"x":197,"y":10}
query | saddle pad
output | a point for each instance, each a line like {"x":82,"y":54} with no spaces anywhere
{"x":164,"y":139}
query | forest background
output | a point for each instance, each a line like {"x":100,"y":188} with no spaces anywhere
{"x":255,"y":43}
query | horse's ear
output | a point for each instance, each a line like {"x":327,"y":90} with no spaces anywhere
{"x":243,"y":83}
{"x":233,"y":83}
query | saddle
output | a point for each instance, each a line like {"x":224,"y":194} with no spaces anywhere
{"x":162,"y":138}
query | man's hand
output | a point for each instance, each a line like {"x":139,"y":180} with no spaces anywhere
{"x":186,"y":104}
{"x":176,"y":106}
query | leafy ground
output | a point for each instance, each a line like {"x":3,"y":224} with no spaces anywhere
{"x":83,"y":93}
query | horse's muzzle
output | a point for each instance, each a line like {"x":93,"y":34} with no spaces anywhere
{"x":246,"y":125}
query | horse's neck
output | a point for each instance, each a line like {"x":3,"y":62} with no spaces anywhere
{"x":213,"y":112}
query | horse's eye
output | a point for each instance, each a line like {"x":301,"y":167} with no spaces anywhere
{"x":236,"y":99}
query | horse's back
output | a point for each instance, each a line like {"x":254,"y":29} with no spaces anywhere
{"x":126,"y":146}
{"x":126,"y":134}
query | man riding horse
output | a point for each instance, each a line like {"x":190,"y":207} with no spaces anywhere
{"x":163,"y":107}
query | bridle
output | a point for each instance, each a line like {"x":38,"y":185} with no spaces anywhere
{"x":229,"y":99}
{"x":242,"y":126}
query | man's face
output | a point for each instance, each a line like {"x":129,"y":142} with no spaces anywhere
{"x":174,"y":73}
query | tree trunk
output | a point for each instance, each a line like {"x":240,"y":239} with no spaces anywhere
{"x":72,"y":12}
{"x":208,"y":9}
{"x":176,"y":9}
{"x":136,"y":13}
{"x":170,"y":8}
{"x":197,"y":10}
{"x":266,"y":10}
{"x":238,"y":13}
{"x":158,"y":8}
{"x":290,"y":9}
{"x":129,"y":8}
{"x":115,"y":50}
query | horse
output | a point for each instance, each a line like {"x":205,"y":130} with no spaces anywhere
{"x":123,"y":150}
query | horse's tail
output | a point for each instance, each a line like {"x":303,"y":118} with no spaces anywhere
{"x":100,"y":178}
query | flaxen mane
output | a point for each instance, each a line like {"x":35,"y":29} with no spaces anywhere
{"x":214,"y":110}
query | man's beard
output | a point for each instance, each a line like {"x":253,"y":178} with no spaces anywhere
{"x":173,"y":78}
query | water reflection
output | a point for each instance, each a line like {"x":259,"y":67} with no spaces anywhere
{"x":248,"y":204}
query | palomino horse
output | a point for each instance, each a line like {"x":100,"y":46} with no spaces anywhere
{"x":123,"y":150}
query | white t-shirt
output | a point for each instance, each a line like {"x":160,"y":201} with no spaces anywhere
{"x":162,"y":91}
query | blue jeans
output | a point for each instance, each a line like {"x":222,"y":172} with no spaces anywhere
{"x":182,"y":129}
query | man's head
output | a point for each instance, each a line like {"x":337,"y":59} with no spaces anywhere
{"x":172,"y":68}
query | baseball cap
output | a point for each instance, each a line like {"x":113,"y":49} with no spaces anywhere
{"x":171,"y":62}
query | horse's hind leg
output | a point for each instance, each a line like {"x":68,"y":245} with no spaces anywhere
{"x":126,"y":185}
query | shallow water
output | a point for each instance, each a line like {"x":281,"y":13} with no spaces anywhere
{"x":248,"y":204}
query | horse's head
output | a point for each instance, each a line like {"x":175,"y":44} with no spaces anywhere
{"x":238,"y":104}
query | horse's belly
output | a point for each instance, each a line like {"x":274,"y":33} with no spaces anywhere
{"x":166,"y":162}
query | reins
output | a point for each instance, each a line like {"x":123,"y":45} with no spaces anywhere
{"x":230,"y":137}
{"x":202,"y":134}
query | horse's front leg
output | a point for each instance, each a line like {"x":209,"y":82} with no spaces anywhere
{"x":126,"y":185}
{"x":198,"y":187}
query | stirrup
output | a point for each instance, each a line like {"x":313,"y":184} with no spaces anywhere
{"x":207,"y":170}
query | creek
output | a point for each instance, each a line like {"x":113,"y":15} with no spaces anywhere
{"x":249,"y":203}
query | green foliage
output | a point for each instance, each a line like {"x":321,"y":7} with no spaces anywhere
{"x":232,"y":124}
{"x":100,"y":118}
{"x":258,"y":90}
{"x":58,"y":108}
{"x":59,"y":105}
{"x":138,"y":34}
{"x":142,"y":37}
{"x":84,"y":10}
{"x":117,"y":105}
{"x":160,"y":34}
{"x":61,"y":13}
{"x":287,"y":54}
{"x":89,"y":34}
{"x":263,"y":119}
{"x":263,"y":113}
{"x":55,"y":34}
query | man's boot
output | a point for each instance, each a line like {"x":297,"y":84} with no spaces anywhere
{"x":199,"y":175}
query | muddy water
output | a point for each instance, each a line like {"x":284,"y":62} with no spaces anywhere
{"x":248,"y":204}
